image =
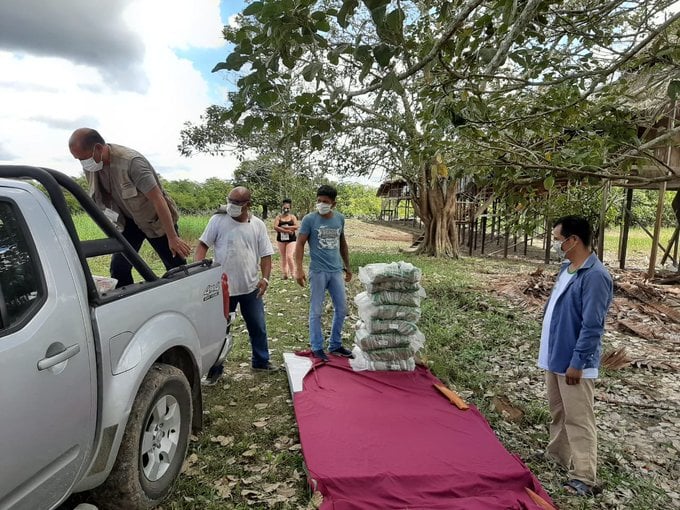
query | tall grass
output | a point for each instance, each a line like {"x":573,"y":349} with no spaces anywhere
{"x":639,"y":242}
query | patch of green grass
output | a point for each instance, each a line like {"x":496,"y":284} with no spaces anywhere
{"x":639,"y":243}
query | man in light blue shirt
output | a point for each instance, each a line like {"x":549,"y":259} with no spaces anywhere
{"x":571,"y":345}
{"x":329,"y":253}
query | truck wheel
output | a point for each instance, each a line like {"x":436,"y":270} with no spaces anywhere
{"x":155,"y":442}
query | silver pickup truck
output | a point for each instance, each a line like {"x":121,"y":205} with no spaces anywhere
{"x":98,"y":390}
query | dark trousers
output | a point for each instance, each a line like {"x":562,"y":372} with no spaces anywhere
{"x":121,"y":268}
{"x":252,"y":310}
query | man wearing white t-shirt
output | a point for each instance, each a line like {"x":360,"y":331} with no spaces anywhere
{"x":243,"y":249}
{"x":571,"y":345}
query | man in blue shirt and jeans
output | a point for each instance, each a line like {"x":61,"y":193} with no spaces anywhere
{"x":571,"y":345}
{"x":328,"y":270}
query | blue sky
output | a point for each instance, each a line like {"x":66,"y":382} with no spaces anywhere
{"x":137,"y":81}
{"x":204,"y":59}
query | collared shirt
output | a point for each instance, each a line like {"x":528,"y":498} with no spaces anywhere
{"x":576,"y":322}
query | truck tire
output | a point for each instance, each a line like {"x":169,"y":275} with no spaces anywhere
{"x":154,"y":445}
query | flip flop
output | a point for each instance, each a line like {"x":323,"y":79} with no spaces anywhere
{"x":580,"y":488}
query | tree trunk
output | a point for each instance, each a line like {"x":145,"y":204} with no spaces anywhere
{"x":435,"y":204}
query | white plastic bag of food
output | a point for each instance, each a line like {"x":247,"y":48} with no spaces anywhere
{"x":104,"y":284}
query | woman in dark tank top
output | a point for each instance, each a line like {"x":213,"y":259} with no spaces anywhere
{"x":286,"y":225}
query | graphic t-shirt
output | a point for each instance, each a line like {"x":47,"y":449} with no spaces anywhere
{"x":238,"y":247}
{"x":324,"y":241}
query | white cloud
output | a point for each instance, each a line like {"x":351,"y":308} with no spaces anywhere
{"x":48,"y":90}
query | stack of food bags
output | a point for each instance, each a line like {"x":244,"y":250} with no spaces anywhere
{"x":387,"y":337}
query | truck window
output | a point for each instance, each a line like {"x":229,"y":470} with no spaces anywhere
{"x":21,"y":286}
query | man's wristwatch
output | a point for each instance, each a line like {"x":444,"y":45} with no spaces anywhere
{"x":266,"y":280}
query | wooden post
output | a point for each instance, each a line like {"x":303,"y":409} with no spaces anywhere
{"x":506,"y":238}
{"x":672,"y":246}
{"x":476,"y":229}
{"x":657,"y":230}
{"x":662,"y":193}
{"x":627,"y":206}
{"x":603,"y":214}
{"x":484,"y":230}
{"x":547,"y":241}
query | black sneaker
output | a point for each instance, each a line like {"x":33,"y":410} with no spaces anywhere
{"x":214,"y":375}
{"x":320,"y":355}
{"x":341,"y":351}
{"x":269,"y":368}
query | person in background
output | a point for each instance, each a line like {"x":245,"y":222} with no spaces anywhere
{"x":126,"y":187}
{"x":570,"y":350}
{"x":329,"y":253}
{"x":285,"y":225}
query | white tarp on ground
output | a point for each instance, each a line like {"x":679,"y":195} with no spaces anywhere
{"x":296,"y":369}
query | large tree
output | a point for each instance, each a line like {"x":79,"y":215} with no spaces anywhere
{"x":508,"y":91}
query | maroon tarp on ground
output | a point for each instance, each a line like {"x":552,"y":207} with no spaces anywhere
{"x":388,"y":440}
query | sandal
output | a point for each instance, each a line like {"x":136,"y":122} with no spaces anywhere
{"x":579,"y":488}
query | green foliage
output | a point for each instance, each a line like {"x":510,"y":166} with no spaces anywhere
{"x":507,"y":92}
{"x":644,"y":208}
{"x":195,"y":197}
{"x":358,"y":201}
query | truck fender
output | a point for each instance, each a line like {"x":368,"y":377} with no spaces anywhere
{"x":165,"y":337}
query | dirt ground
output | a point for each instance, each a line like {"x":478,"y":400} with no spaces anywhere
{"x":638,"y":397}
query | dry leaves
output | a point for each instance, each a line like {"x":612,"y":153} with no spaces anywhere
{"x":223,"y":440}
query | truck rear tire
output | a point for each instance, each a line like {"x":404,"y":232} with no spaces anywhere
{"x":154,"y":445}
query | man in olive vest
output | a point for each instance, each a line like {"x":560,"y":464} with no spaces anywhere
{"x":124,"y":184}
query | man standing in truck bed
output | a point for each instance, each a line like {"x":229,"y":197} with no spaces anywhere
{"x":124,"y":184}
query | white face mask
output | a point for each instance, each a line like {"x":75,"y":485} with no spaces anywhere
{"x":323,"y":208}
{"x":90,"y":165}
{"x":557,"y":246}
{"x":234,"y":210}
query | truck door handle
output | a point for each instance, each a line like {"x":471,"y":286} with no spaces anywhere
{"x":59,"y":357}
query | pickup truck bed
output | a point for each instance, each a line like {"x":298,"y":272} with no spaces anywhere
{"x":98,"y":391}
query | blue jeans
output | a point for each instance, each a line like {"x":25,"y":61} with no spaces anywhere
{"x":252,"y":309}
{"x":319,"y":282}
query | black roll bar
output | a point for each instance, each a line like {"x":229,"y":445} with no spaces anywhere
{"x":53,"y":182}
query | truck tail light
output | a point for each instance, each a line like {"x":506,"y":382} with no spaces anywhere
{"x":225,"y":296}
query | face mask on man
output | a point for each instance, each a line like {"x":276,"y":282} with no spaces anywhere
{"x":90,"y":165}
{"x":234,"y":210}
{"x":323,"y":208}
{"x":557,"y":247}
